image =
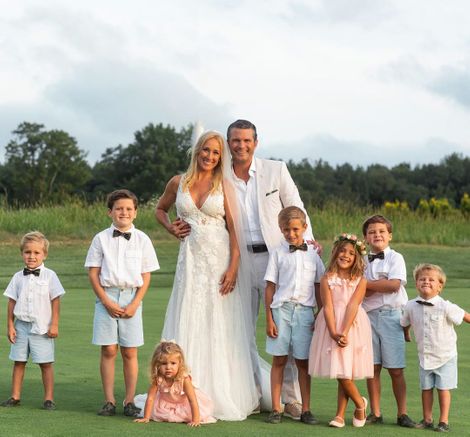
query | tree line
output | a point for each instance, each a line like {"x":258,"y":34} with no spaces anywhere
{"x":47,"y":167}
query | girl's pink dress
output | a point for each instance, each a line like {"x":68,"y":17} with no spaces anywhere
{"x":172,"y":405}
{"x":327,"y":359}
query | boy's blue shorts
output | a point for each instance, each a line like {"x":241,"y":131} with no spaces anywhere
{"x":388,"y":339}
{"x":443,"y":378}
{"x":40,"y":347}
{"x":125,"y":332}
{"x":294,"y":328}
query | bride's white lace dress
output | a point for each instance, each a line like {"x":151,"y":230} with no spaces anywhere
{"x":210,"y":327}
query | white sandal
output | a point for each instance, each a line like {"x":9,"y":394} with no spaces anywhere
{"x":359,"y":423}
{"x":337,"y":422}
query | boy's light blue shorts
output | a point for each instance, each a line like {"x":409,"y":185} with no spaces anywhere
{"x":442,"y":378}
{"x":125,"y":332}
{"x":388,"y":339}
{"x":294,"y":328}
{"x":40,"y":347}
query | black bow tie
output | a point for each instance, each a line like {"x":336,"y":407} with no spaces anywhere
{"x":118,"y":233}
{"x":34,"y":272}
{"x":423,"y":302}
{"x":373,"y":256}
{"x":293,"y":247}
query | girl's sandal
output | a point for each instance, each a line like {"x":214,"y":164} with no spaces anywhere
{"x":337,"y":422}
{"x":359,"y":423}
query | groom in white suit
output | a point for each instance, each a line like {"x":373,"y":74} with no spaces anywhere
{"x":263,"y":188}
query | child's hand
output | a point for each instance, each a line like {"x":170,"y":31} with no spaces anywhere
{"x":12,"y":335}
{"x":271,"y":329}
{"x":129,"y":311}
{"x":142,"y":420}
{"x":407,"y":336}
{"x":114,"y":310}
{"x":194,"y":423}
{"x":53,"y":331}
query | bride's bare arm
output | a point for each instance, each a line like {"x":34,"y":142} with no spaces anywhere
{"x":229,"y":278}
{"x":179,"y":228}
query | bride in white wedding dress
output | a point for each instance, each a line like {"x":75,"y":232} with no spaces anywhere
{"x":205,"y":313}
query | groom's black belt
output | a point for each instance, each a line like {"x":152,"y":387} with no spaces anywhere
{"x":257,"y":248}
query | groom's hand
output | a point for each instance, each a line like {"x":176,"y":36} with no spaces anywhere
{"x":180,"y":229}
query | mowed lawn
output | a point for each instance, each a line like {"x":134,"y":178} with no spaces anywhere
{"x":78,"y":386}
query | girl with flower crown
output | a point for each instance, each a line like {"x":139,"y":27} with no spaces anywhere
{"x":171,"y":396}
{"x":342,"y":342}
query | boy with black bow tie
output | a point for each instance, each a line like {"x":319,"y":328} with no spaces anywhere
{"x":385,"y":298}
{"x":33,"y":317}
{"x":120,"y":260}
{"x":432,"y":319}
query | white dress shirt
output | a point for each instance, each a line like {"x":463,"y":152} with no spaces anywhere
{"x":248,"y":197}
{"x":122,"y":261}
{"x":391,"y":267}
{"x":33,"y":296}
{"x":433,"y":327}
{"x":295,"y":275}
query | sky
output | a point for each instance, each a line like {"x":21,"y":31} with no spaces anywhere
{"x":344,"y":81}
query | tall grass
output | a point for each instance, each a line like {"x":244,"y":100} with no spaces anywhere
{"x":80,"y":221}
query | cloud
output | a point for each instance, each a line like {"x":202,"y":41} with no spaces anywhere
{"x":453,"y":83}
{"x":104,"y":103}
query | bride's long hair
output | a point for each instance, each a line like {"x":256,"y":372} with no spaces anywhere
{"x":193,"y":169}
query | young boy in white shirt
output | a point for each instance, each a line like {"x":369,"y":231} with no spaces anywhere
{"x":432,"y":320}
{"x":119,"y":263}
{"x":33,"y":317}
{"x":292,"y":285}
{"x":385,"y":298}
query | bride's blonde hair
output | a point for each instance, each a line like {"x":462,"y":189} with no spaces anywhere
{"x":193,"y":170}
{"x":163,"y":349}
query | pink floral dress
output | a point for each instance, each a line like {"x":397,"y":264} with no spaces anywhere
{"x":327,"y":359}
{"x":172,"y":405}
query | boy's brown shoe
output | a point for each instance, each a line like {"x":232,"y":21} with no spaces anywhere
{"x":11,"y":402}
{"x":108,"y":409}
{"x":49,"y":405}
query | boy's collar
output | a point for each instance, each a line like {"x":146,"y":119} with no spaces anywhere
{"x":112,"y":227}
{"x":433,"y":300}
{"x":385,"y":251}
{"x":39,"y":267}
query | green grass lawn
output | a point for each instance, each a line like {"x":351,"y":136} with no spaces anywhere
{"x":78,"y":386}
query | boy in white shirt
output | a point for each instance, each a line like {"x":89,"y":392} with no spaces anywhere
{"x":119,"y":263}
{"x":33,"y":317}
{"x":385,"y":298}
{"x":292,"y":285}
{"x":432,"y":319}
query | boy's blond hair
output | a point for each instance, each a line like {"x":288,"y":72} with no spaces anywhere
{"x":420,"y":268}
{"x":37,"y":237}
{"x":291,"y":213}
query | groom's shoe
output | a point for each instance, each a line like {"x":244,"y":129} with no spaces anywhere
{"x":293,"y":410}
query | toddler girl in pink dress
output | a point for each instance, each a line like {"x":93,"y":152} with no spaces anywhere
{"x":342,"y":342}
{"x":171,"y":396}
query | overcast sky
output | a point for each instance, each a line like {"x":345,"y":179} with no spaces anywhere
{"x":358,"y":81}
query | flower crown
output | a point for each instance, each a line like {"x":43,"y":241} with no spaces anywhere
{"x":351,"y":238}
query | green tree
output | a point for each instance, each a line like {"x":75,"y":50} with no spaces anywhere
{"x":42,"y":166}
{"x":144,"y":166}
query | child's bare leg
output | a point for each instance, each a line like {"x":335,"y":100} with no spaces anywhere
{"x":47,"y":371}
{"x":374,"y":389}
{"x":351,"y":391}
{"x":427,"y":400}
{"x":17,"y":379}
{"x":130,"y":366}
{"x":444,"y":405}
{"x":107,"y":365}
{"x":399,"y":389}
{"x":304,"y":383}
{"x":277,"y":375}
{"x":342,"y":402}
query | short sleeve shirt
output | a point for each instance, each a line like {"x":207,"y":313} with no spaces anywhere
{"x":391,"y":267}
{"x":294,"y":274}
{"x":434,"y":331}
{"x":33,"y":296}
{"x":122,"y":261}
